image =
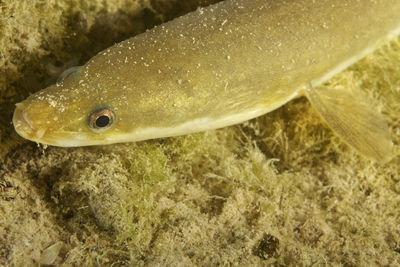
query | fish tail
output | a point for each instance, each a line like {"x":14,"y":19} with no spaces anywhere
{"x":355,"y":120}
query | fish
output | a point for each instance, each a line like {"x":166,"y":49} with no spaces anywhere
{"x":219,"y":66}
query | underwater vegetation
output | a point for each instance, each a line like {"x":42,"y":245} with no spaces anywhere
{"x":280,"y":189}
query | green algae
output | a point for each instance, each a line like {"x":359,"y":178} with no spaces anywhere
{"x":281,"y":189}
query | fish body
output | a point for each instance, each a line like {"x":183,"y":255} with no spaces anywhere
{"x":219,"y":66}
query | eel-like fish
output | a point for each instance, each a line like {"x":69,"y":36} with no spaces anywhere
{"x":219,"y":66}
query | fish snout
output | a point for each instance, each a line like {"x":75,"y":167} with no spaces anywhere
{"x":23,"y":125}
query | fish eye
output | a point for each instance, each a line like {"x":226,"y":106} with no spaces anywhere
{"x":101,"y":119}
{"x":67,"y":73}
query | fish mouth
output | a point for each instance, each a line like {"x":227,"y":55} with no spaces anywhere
{"x":23,"y":125}
{"x":38,"y":133}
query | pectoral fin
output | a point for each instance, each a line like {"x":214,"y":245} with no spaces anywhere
{"x":355,"y":120}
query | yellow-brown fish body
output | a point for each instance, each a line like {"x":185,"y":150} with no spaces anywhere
{"x":217,"y":66}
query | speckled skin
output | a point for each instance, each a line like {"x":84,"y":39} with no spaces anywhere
{"x":217,"y":66}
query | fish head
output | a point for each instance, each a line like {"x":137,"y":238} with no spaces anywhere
{"x":95,"y":105}
{"x":65,"y":114}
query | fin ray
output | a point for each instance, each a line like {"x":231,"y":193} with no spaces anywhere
{"x":355,"y":120}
